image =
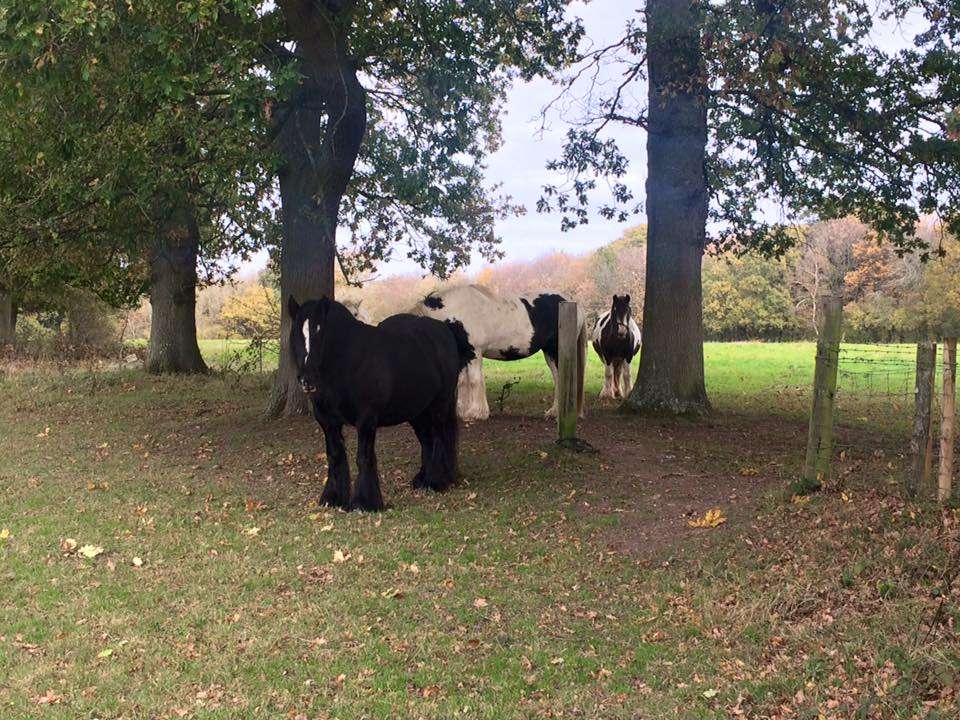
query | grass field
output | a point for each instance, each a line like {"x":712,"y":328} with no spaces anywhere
{"x":544,"y":585}
{"x":737,"y":373}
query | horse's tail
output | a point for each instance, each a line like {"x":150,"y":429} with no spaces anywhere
{"x":581,"y":367}
{"x":465,"y":350}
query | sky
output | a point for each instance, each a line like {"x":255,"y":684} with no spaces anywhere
{"x":519,"y":166}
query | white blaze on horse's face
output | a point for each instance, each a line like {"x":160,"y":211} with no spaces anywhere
{"x":306,"y":340}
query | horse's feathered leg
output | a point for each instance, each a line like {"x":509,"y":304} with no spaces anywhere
{"x":472,"y":393}
{"x":422,"y":427}
{"x":625,"y":381}
{"x":336,"y":492}
{"x":617,"y":376}
{"x":607,"y":391}
{"x":442,"y":469}
{"x":552,"y":364}
{"x":366,"y":494}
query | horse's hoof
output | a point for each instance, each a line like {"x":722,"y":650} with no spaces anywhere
{"x":365,"y":505}
{"x":334,"y":501}
{"x":419,"y":482}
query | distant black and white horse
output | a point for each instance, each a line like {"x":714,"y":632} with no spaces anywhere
{"x":616,"y":338}
{"x":502,"y":328}
{"x":403,"y":370}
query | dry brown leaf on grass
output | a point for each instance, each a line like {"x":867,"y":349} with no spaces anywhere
{"x":711,"y":519}
{"x":5,"y":534}
{"x":49,"y":698}
{"x":68,"y":545}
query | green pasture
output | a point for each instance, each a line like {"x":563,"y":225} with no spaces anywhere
{"x":543,"y":585}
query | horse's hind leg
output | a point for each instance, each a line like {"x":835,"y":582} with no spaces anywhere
{"x":552,"y":364}
{"x":366,"y":494}
{"x":422,"y":426}
{"x":472,"y":394}
{"x":336,"y":492}
{"x":441,"y":471}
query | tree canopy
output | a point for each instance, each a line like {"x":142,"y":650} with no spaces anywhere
{"x":807,"y":114}
{"x":111,"y":114}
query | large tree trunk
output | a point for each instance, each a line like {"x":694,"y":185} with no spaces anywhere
{"x":173,"y":296}
{"x":319,"y":141}
{"x":8,"y":318}
{"x":671,"y":361}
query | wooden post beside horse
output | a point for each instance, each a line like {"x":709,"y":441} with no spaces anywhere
{"x":947,"y":422}
{"x":921,"y":439}
{"x":816,"y":469}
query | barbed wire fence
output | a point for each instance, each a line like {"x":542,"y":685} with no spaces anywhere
{"x":902,"y":376}
{"x":873,"y":371}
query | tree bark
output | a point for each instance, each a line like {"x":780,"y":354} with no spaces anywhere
{"x":8,"y":317}
{"x":319,"y":139}
{"x":173,"y":295}
{"x":671,"y":361}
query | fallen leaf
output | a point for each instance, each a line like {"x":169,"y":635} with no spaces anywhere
{"x":90,"y":551}
{"x":49,"y":698}
{"x":480,"y":603}
{"x":413,"y":569}
{"x":339,"y":556}
{"x":137,"y":561}
{"x":105,"y":653}
{"x":711,"y":693}
{"x":5,"y":534}
{"x":557,"y":661}
{"x":251,"y":531}
{"x":711,"y":519}
{"x":68,"y":545}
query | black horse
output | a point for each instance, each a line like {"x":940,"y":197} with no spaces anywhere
{"x":403,"y":370}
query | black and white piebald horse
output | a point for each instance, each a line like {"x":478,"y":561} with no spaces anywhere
{"x":403,"y":370}
{"x":616,"y":338}
{"x":502,"y":328}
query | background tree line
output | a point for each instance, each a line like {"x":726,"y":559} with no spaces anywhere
{"x":888,"y":297}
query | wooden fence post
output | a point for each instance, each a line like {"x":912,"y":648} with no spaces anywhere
{"x":816,"y":469}
{"x":921,"y":440}
{"x":567,"y":372}
{"x":949,"y":411}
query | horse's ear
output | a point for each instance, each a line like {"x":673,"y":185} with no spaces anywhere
{"x":627,"y":298}
{"x":292,"y":307}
